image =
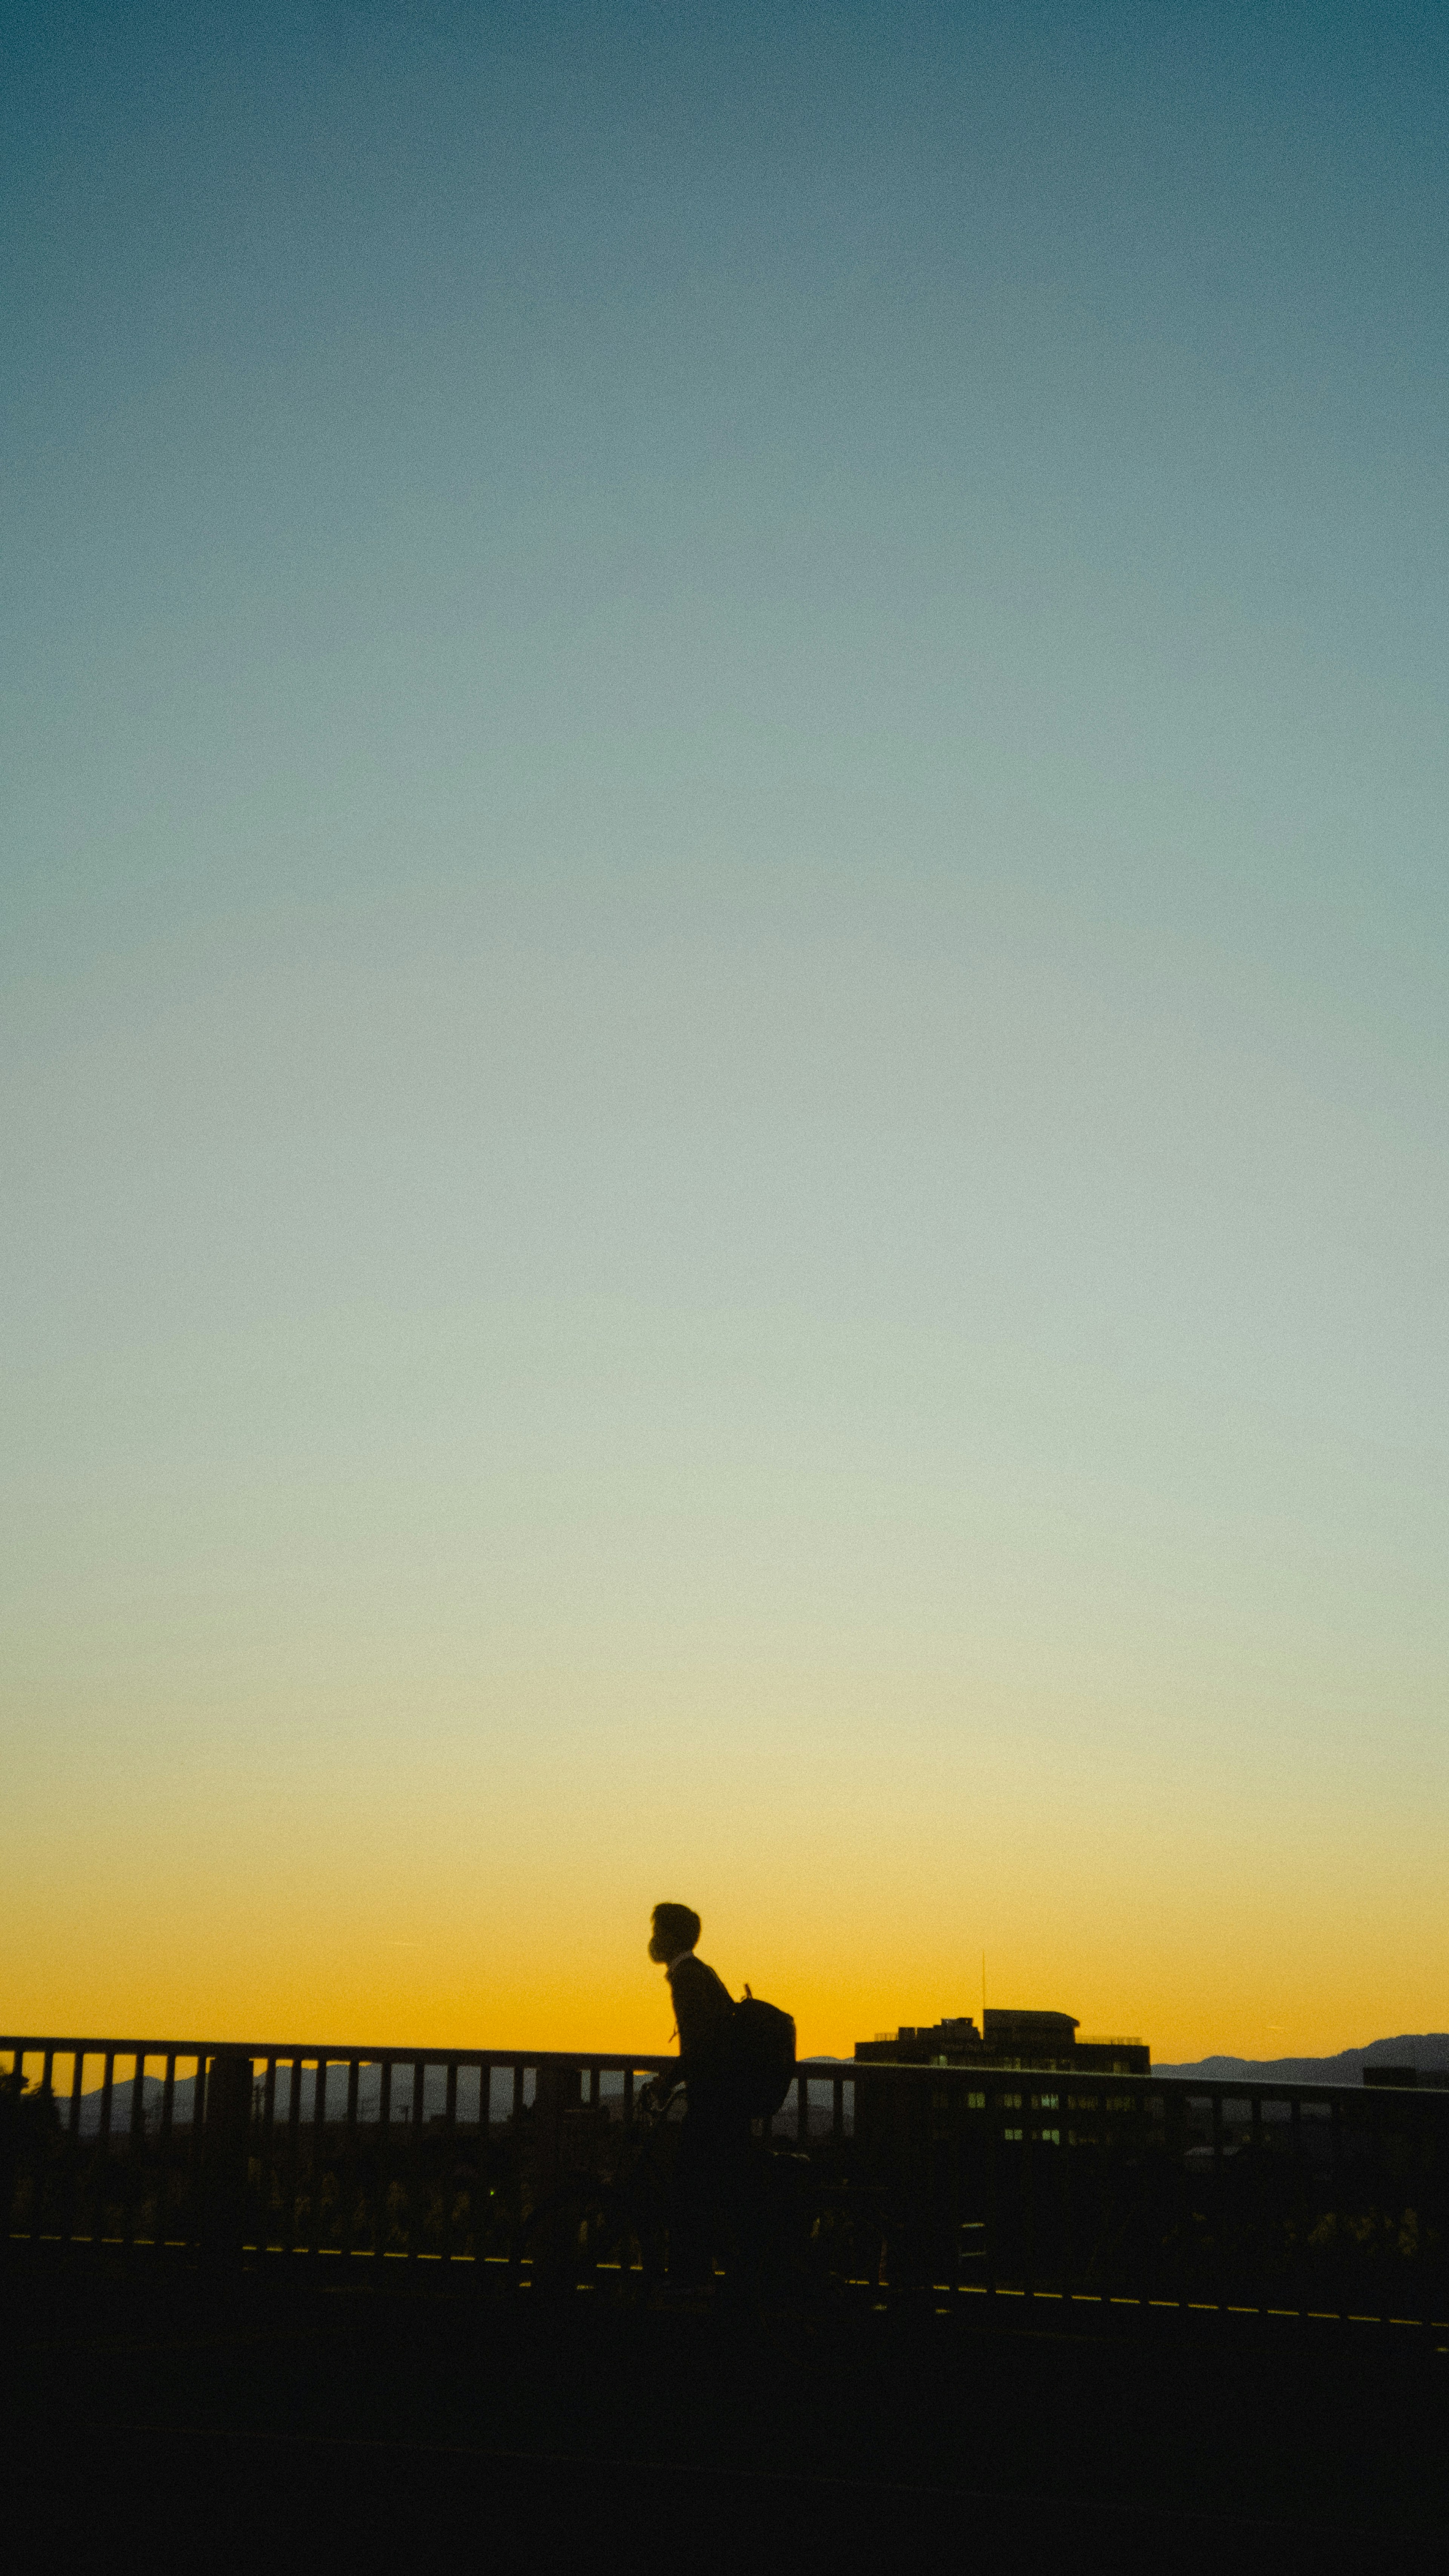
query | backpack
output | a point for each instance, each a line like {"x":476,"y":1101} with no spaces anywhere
{"x":761,"y":2055}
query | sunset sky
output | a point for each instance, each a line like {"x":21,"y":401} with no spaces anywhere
{"x":723,"y":1017}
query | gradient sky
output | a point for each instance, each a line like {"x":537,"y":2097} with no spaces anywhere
{"x":723,"y":1017}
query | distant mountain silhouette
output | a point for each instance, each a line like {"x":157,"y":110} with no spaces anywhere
{"x":1428,"y":2050}
{"x":369,"y":2097}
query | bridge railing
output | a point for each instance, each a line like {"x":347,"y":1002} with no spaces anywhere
{"x":984,"y":2188}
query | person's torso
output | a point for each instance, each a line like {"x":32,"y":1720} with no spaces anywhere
{"x":702,"y":2008}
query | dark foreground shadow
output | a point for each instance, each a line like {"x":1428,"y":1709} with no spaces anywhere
{"x":273,"y":2426}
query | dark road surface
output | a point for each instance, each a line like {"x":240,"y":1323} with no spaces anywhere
{"x":165,"y":2421}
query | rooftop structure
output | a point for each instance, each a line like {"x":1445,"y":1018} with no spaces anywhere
{"x":1044,"y":2041}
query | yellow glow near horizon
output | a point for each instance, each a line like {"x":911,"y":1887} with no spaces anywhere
{"x":454,"y":1906}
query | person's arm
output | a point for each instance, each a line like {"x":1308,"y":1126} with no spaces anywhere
{"x":660,"y":2090}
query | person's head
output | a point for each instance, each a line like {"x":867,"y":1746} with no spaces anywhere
{"x":676,"y":1928}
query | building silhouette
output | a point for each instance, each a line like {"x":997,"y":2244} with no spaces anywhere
{"x":1038,"y":2042}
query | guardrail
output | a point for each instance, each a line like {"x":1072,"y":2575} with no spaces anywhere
{"x":984,"y":2189}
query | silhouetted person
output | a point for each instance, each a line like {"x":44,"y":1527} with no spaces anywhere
{"x":707,"y":2193}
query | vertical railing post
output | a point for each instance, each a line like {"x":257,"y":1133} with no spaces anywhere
{"x":224,"y":2156}
{"x":417,"y":2179}
{"x":41,"y":2214}
{"x":993,"y":2198}
{"x":266,"y":2160}
{"x":135,"y":2153}
{"x":100,"y":2213}
{"x":956,"y":2148}
{"x":72,"y":2146}
{"x":194,"y":2221}
{"x":317,"y":2168}
{"x":294,"y":2151}
{"x":163,"y":2153}
{"x":518,"y":2175}
{"x":1067,"y":2193}
{"x":11,"y":2128}
{"x":347,"y":2227}
{"x":1220,"y":2251}
{"x":1027,"y":2168}
{"x":449,"y":2154}
{"x":481,"y":2195}
{"x":383,"y":2160}
{"x":1300,"y":2200}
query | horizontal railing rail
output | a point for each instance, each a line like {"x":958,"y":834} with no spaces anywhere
{"x":339,"y":2054}
{"x":976,"y":2186}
